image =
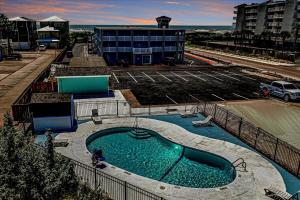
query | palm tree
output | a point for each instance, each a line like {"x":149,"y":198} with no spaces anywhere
{"x":284,"y":35}
{"x":6,"y":30}
{"x":296,"y":36}
{"x":267,"y":38}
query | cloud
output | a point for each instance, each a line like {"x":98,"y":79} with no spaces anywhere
{"x":177,"y":3}
{"x":124,"y":12}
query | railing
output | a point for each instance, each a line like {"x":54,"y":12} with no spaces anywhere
{"x":124,"y":38}
{"x":109,"y":49}
{"x":141,"y":50}
{"x":114,"y":187}
{"x":124,"y":49}
{"x":156,"y":38}
{"x":275,"y":149}
{"x":140,"y":38}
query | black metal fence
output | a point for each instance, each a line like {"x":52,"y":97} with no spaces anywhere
{"x":272,"y":147}
{"x":275,"y":149}
{"x":114,"y":187}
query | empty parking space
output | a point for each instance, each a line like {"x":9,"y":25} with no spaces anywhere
{"x":189,"y":85}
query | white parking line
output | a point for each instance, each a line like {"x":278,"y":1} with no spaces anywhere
{"x":132,"y":77}
{"x":116,"y":78}
{"x":218,"y":97}
{"x":148,"y":77}
{"x":194,"y":97}
{"x":210,"y":75}
{"x":171,"y":99}
{"x":164,"y":76}
{"x":227,"y":76}
{"x":179,"y":76}
{"x":195,"y":76}
{"x":240,"y":96}
{"x":242,"y":76}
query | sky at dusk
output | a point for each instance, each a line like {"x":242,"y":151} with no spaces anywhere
{"x":182,"y":12}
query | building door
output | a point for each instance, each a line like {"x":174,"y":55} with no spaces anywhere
{"x":146,"y":59}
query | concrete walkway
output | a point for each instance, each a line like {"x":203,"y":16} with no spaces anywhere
{"x":13,"y":85}
{"x":247,"y":185}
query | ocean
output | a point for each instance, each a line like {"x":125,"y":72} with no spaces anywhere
{"x":186,"y":27}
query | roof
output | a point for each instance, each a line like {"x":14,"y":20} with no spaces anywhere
{"x":53,"y":19}
{"x":50,"y":98}
{"x":20,"y":19}
{"x":163,"y":17}
{"x":81,"y":71}
{"x":282,"y":82}
{"x":137,"y":28}
{"x":47,"y":29}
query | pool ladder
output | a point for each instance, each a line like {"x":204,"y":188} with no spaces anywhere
{"x":240,"y":163}
{"x":138,"y":133}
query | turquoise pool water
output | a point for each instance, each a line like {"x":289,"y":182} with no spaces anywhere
{"x":291,"y":181}
{"x":157,"y":158}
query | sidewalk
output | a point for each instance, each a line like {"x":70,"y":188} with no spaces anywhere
{"x":251,"y":59}
{"x":284,"y":69}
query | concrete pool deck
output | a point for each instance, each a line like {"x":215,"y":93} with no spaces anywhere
{"x":247,"y":185}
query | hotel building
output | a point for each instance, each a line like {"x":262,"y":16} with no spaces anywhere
{"x":139,"y":45}
{"x":24,"y":33}
{"x":273,"y":16}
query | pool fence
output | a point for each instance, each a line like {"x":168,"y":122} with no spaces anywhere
{"x":270,"y":146}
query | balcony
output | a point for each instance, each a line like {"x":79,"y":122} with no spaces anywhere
{"x":276,"y":9}
{"x":250,"y":17}
{"x":124,"y":38}
{"x":171,"y":48}
{"x":250,"y":24}
{"x":109,"y":38}
{"x":170,"y":38}
{"x":109,"y":49}
{"x":277,"y":16}
{"x":156,"y":38}
{"x":124,"y":49}
{"x":157,"y":49}
{"x":275,"y":24}
{"x":251,"y":11}
{"x":140,"y":38}
{"x":142,"y":50}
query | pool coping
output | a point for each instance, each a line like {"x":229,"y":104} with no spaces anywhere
{"x":247,"y":185}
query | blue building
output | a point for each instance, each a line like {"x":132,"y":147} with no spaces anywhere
{"x":139,"y":45}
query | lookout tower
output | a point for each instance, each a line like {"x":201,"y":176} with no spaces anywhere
{"x":163,"y":21}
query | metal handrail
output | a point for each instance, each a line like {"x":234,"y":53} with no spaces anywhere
{"x":242,"y":164}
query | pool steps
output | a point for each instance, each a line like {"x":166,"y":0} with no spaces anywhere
{"x":139,"y":134}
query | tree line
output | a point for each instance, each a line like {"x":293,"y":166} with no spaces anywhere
{"x":31,"y":172}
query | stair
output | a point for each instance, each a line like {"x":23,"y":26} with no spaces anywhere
{"x":139,"y":134}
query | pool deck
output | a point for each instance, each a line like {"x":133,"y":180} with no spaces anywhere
{"x":247,"y":185}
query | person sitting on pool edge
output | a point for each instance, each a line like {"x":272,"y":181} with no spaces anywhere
{"x":97,"y":156}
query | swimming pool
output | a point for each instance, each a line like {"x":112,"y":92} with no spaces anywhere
{"x":160,"y":159}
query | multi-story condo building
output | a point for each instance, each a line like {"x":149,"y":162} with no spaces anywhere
{"x":24,"y":33}
{"x":54,"y":31}
{"x":273,"y":16}
{"x":138,"y":46}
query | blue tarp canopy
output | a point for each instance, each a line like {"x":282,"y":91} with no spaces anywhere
{"x":48,"y":40}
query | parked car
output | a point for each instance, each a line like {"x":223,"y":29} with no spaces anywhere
{"x":282,"y":89}
{"x":42,"y":47}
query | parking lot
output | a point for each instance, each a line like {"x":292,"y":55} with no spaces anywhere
{"x":194,"y":84}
